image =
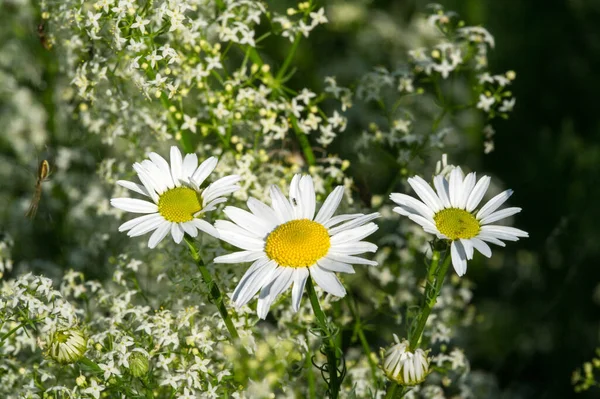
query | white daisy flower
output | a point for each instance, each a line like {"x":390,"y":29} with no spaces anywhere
{"x":287,"y":243}
{"x":449,"y":212}
{"x":177,"y":200}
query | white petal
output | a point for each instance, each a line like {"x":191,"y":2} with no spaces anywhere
{"x":330,"y":205}
{"x":154,"y":173}
{"x":224,"y":186}
{"x":176,"y":165}
{"x":354,"y":248}
{"x":478,"y":192}
{"x":164,"y":168}
{"x":459,"y":258}
{"x":300,"y":276}
{"x":353,"y":235}
{"x":410,"y":205}
{"x":254,"y":280}
{"x":456,"y":184}
{"x":503,"y":232}
{"x":359,"y":221}
{"x":177,"y":232}
{"x":204,"y":170}
{"x":262,"y":211}
{"x":335,"y":266}
{"x":426,"y":193}
{"x":247,"y":278}
{"x":501,"y":214}
{"x":264,"y":302}
{"x":148,"y":183}
{"x":138,"y":188}
{"x":269,"y":293}
{"x":341,"y":218}
{"x":226,"y":225}
{"x":212,"y":205}
{"x":211,"y":195}
{"x":146,"y":226}
{"x":482,"y":247}
{"x":239,"y":257}
{"x":248,"y":221}
{"x":294,"y":196}
{"x":241,"y":241}
{"x":307,"y":193}
{"x":327,"y":280}
{"x":204,"y":226}
{"x":159,"y":234}
{"x":353,"y":260}
{"x":134,"y":205}
{"x":490,"y":238}
{"x":427,"y":224}
{"x":493,"y":204}
{"x":134,"y":222}
{"x":466,"y":189}
{"x":190,"y":163}
{"x":442,"y":187}
{"x":283,"y":208}
{"x":468,"y":246}
{"x":189,"y":229}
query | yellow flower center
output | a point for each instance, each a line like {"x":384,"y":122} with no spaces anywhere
{"x":179,"y":204}
{"x":456,"y":223}
{"x":298,"y":243}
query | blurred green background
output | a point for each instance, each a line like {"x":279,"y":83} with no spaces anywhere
{"x":539,"y":299}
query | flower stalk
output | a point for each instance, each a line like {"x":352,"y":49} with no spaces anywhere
{"x":329,"y":348}
{"x":435,"y":279}
{"x":214,"y":292}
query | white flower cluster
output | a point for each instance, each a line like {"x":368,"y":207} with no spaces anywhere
{"x":183,"y":60}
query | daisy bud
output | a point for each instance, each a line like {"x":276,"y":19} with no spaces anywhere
{"x":404,"y":366}
{"x":138,"y":364}
{"x":67,"y":346}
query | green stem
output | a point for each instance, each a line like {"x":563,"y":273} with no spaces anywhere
{"x":391,"y":392}
{"x":330,"y":346}
{"x":288,"y":59}
{"x":394,"y":393}
{"x":435,"y":279}
{"x":361,"y":336}
{"x":11,"y":332}
{"x":311,"y":374}
{"x":438,"y":120}
{"x":304,"y":143}
{"x":213,"y":290}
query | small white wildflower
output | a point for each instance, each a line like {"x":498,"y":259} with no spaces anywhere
{"x":507,"y":105}
{"x":95,"y":390}
{"x":189,"y":123}
{"x":485,"y":102}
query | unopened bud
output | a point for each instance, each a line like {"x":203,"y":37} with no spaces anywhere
{"x":404,"y":366}
{"x":67,"y":346}
{"x":138,"y":364}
